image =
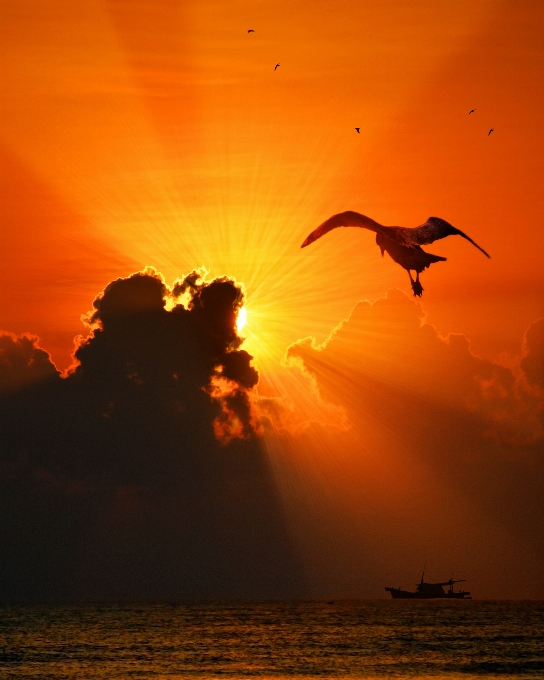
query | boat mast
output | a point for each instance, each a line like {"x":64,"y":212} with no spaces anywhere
{"x":423,"y":574}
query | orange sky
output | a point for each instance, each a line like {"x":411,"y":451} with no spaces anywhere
{"x":139,"y":132}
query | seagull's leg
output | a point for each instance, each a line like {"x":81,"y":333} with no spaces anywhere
{"x":416,"y":286}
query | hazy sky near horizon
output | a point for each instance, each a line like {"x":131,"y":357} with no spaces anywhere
{"x":139,"y":132}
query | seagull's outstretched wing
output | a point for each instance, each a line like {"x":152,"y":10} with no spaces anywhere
{"x":345,"y":219}
{"x":434,"y":229}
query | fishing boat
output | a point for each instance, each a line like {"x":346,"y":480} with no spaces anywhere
{"x":429,"y":591}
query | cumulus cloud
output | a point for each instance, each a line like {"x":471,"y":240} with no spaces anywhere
{"x":140,"y":473}
{"x":532,"y":361}
{"x":23,"y":361}
{"x":388,"y":344}
{"x":448,"y":446}
{"x":137,"y":344}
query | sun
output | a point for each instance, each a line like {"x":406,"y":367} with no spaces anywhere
{"x":241,"y":318}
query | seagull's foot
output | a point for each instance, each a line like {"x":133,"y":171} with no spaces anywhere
{"x":417,"y":288}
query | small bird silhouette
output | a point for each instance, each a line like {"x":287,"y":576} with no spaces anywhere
{"x":402,"y":244}
{"x":358,"y":130}
{"x":251,"y":31}
{"x":276,"y":66}
{"x":492,"y":130}
{"x":471,"y":111}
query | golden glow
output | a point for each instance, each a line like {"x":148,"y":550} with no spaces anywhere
{"x":155,"y":146}
{"x":241,"y":318}
{"x":165,"y":138}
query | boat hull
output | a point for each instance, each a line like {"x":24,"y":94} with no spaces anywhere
{"x":398,"y":594}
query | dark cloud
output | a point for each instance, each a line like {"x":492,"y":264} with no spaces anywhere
{"x":453,"y":441}
{"x":532,"y":361}
{"x":23,"y":361}
{"x":140,"y":473}
{"x":388,"y":345}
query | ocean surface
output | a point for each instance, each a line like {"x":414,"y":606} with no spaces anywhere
{"x":344,"y":639}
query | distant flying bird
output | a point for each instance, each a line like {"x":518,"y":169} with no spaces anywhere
{"x":251,"y":31}
{"x":471,"y":111}
{"x":492,"y":130}
{"x":402,"y":244}
{"x":358,"y":130}
{"x":276,"y":66}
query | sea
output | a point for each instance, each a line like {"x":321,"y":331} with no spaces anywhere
{"x":340,"y":639}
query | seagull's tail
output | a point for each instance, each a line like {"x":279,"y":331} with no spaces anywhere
{"x":460,"y":233}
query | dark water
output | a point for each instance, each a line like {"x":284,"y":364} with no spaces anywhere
{"x":385,"y":639}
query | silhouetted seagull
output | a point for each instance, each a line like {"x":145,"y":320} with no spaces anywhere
{"x":276,"y":66}
{"x":471,"y":111}
{"x":492,"y":130}
{"x":251,"y":31}
{"x":358,"y":130}
{"x":402,"y":244}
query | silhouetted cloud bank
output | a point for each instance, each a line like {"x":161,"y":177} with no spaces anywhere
{"x":386,"y":354}
{"x":532,"y":361}
{"x":22,"y":361}
{"x":452,"y":442}
{"x":139,"y":475}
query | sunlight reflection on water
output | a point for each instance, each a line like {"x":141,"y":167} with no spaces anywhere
{"x":372,"y":639}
